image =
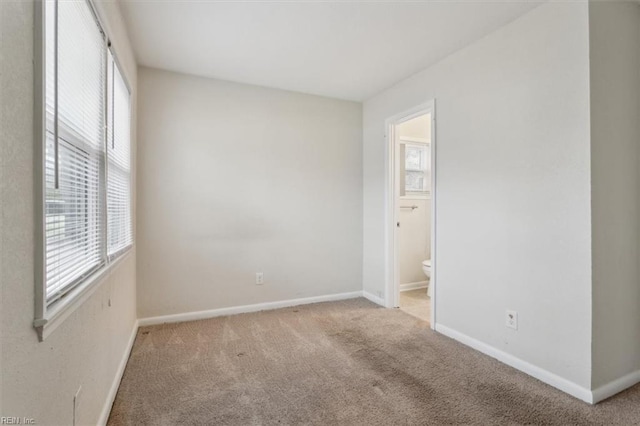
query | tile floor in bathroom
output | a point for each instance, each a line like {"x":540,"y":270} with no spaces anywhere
{"x":416,"y":303}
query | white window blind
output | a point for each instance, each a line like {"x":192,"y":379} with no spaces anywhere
{"x":119,"y":163}
{"x":74,"y":147}
{"x":417,"y":168}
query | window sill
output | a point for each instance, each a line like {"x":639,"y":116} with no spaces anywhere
{"x":61,"y":309}
{"x":415,"y":197}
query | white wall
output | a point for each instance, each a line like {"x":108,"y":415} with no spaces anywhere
{"x":414,"y":238}
{"x":237,"y":179}
{"x":615,"y":152}
{"x":419,"y":127}
{"x":513,"y":207}
{"x":39,"y":380}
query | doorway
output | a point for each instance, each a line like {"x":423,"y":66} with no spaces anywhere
{"x":411,"y":255}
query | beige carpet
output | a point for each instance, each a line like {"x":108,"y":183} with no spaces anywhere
{"x":336,"y":363}
{"x":416,"y":303}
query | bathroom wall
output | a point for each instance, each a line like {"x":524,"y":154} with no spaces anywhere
{"x":512,"y":114}
{"x":419,"y":127}
{"x":414,"y":240}
{"x":415,"y":225}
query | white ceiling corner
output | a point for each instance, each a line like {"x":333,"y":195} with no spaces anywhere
{"x":341,"y":49}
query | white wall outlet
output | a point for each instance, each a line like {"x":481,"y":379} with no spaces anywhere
{"x":512,"y":319}
{"x":259,"y":278}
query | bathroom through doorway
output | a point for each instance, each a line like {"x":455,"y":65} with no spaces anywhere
{"x":412,"y":184}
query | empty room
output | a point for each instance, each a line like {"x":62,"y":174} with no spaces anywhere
{"x":319,"y":212}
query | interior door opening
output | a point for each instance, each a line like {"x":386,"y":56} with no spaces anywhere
{"x":412,"y":196}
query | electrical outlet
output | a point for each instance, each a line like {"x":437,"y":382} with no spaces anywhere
{"x":259,"y":278}
{"x":512,"y":319}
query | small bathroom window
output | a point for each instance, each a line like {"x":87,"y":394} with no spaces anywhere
{"x":417,"y":169}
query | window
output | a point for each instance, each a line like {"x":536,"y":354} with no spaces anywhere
{"x":86,"y":181}
{"x":417,"y":168}
{"x":119,"y":163}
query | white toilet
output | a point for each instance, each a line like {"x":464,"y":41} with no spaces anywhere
{"x":426,"y":268}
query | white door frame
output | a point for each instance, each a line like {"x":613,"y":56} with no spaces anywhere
{"x":392,"y":287}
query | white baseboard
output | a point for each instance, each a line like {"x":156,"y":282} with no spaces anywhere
{"x":414,"y":286}
{"x":541,"y":374}
{"x":375,"y":299}
{"x":198,"y":315}
{"x":111,"y":396}
{"x":608,"y":390}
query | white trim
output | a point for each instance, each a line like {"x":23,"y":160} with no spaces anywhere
{"x":111,"y":396}
{"x":415,"y":197}
{"x":61,"y":309}
{"x":539,"y":373}
{"x":375,"y":299}
{"x":392,"y":291}
{"x":433,"y":146}
{"x":211,"y":313}
{"x":615,"y":386}
{"x":414,"y":286}
{"x":39,"y":129}
{"x":423,"y":141}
